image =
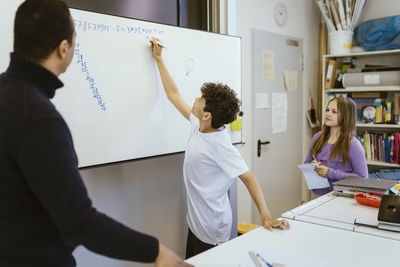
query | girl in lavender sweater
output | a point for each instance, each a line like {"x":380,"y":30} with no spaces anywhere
{"x":337,"y":151}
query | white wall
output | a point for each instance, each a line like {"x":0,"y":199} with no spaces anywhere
{"x":377,"y":9}
{"x":302,"y":22}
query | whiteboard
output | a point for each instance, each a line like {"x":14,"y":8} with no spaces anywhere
{"x":113,"y":100}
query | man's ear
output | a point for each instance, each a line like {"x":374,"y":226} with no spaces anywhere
{"x":62,"y":49}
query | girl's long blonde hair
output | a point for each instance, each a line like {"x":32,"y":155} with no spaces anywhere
{"x":347,"y":118}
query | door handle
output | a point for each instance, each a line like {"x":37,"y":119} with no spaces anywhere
{"x":259,"y":144}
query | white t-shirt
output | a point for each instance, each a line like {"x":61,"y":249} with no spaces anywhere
{"x":210,"y":167}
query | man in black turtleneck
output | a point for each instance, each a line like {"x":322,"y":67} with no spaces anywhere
{"x":45,"y":211}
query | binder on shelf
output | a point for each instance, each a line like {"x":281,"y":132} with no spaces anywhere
{"x":333,"y":67}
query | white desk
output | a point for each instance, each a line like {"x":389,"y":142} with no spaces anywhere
{"x":305,"y":244}
{"x":322,"y":234}
{"x":340,"y":212}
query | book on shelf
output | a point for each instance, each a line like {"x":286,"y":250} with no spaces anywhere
{"x":391,"y":150}
{"x":382,"y":147}
{"x":396,"y":147}
{"x":387,"y":149}
{"x":378,"y":114}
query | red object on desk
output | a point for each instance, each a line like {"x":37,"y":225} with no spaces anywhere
{"x":369,"y":199}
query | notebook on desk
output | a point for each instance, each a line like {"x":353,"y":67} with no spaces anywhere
{"x":350,"y":185}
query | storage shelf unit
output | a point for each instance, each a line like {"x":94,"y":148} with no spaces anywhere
{"x":382,"y":164}
{"x":378,"y":126}
{"x":364,"y":89}
{"x":386,"y":57}
{"x":364,"y":54}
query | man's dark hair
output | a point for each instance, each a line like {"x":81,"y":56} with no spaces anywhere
{"x":40,"y":26}
{"x":221,"y":102}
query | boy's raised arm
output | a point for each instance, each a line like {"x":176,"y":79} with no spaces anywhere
{"x":170,"y":87}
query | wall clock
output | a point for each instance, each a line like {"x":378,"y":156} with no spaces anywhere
{"x":280,"y":14}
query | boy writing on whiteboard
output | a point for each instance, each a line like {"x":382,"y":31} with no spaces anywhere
{"x":211,"y":162}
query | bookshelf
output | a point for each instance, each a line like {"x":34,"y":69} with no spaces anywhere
{"x":365,"y":89}
{"x":386,"y":57}
{"x":382,"y":164}
{"x":377,"y":126}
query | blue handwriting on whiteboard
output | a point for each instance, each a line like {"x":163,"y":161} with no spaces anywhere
{"x":83,"y":64}
{"x":86,"y":26}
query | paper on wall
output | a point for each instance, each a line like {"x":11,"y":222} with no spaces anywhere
{"x":268,"y":65}
{"x":290,"y":79}
{"x":279,"y":112}
{"x":262,"y":101}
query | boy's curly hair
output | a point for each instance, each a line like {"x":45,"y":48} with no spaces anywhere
{"x":221,"y":102}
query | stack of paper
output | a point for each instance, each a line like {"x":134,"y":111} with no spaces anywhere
{"x":313,"y":180}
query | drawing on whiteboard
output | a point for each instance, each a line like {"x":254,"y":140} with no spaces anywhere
{"x":189,"y":66}
{"x":90,"y":79}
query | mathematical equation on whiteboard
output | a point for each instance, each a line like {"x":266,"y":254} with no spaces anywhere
{"x":85,"y":26}
{"x":92,"y":84}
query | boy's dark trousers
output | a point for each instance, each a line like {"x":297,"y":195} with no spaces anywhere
{"x":195,"y":246}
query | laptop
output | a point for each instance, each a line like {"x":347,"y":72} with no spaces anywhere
{"x":351,"y":185}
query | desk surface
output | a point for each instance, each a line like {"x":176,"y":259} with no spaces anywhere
{"x":340,"y":212}
{"x":305,"y":244}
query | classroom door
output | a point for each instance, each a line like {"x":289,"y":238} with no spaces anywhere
{"x":276,"y":165}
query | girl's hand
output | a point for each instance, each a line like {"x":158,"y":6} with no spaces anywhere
{"x":322,"y":170}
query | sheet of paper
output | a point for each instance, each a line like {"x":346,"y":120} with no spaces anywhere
{"x":290,"y":77}
{"x":313,"y":180}
{"x":268,"y":65}
{"x":279,"y":112}
{"x":262,"y":101}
